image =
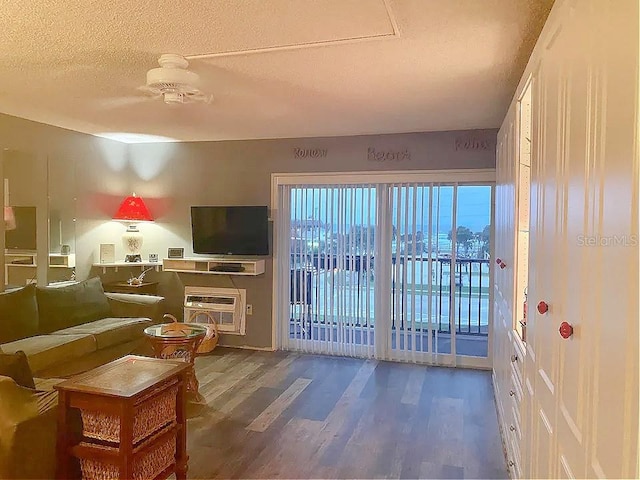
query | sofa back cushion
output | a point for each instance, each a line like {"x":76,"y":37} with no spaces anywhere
{"x":64,"y":307}
{"x":18,"y":314}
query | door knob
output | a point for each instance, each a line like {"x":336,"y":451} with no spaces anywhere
{"x":543,"y":308}
{"x":566,"y":330}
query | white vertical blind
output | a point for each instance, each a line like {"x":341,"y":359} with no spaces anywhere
{"x":331,"y":232}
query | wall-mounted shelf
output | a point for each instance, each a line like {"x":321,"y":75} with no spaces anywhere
{"x":116,"y":265}
{"x":21,"y":263}
{"x":56,"y":260}
{"x":214,"y":266}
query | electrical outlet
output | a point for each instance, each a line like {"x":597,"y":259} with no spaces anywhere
{"x":249,"y":309}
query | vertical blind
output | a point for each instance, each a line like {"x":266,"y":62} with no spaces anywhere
{"x":371,"y":270}
{"x":329,"y":239}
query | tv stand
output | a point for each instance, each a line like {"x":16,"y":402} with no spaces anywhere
{"x":227,"y":268}
{"x":214,"y":266}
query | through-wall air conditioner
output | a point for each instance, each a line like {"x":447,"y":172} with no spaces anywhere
{"x":223,"y":306}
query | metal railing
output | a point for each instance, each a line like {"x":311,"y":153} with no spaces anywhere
{"x":467,"y":293}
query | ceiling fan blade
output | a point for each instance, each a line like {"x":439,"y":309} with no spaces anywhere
{"x":236,"y":88}
{"x":119,"y":102}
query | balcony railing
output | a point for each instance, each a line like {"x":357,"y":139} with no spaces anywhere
{"x":418,"y":292}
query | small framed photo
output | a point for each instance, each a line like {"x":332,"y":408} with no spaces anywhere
{"x":175,"y":253}
{"x":153,"y":257}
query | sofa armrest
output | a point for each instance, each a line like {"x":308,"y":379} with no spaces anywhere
{"x":135,"y":305}
{"x":26,"y":423}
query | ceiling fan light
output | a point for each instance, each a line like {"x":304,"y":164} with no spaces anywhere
{"x":173,"y":98}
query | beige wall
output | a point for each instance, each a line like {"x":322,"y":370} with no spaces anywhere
{"x":173,"y":176}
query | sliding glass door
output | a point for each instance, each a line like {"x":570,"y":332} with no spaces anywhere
{"x":396,"y":271}
{"x":440,"y":247}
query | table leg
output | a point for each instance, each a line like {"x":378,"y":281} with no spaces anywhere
{"x":126,"y":441}
{"x":63,"y":444}
{"x":193,"y":385}
{"x":182,"y":458}
{"x":185,"y":350}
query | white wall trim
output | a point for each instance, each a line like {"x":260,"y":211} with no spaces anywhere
{"x":459,"y":176}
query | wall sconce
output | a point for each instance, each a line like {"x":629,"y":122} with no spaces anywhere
{"x":131,"y":211}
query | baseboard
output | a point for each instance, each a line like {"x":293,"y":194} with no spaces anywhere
{"x":500,"y":412}
{"x":249,"y":347}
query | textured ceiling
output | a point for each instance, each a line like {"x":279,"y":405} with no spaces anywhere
{"x":276,"y":68}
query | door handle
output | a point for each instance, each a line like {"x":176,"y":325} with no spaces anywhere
{"x":566,"y":330}
{"x":543,"y":307}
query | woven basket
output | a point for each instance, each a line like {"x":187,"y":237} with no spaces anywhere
{"x":146,"y":465}
{"x":210,"y":340}
{"x":150,"y":414}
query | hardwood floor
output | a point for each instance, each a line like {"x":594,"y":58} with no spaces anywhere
{"x":287,"y":415}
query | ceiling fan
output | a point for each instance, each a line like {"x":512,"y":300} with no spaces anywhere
{"x":173,"y":82}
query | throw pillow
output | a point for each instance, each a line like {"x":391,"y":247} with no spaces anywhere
{"x":64,"y":307}
{"x":16,"y":366}
{"x":18,"y":314}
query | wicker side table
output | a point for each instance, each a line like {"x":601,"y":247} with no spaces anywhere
{"x":133,"y":417}
{"x":178,"y":341}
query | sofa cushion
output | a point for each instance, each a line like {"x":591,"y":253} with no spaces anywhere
{"x":132,"y":305}
{"x":45,"y":350}
{"x":110,"y":331}
{"x":16,"y":366}
{"x":63,"y":307}
{"x":18,"y":314}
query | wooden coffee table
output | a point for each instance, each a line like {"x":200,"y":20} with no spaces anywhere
{"x":178,"y":341}
{"x":133,"y":420}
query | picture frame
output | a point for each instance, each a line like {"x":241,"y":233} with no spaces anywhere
{"x":175,"y":252}
{"x":107,"y":253}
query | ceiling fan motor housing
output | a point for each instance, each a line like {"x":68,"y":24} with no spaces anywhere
{"x":173,"y":82}
{"x":172,"y":79}
{"x":177,"y":77}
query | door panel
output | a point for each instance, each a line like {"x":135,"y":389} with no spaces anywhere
{"x":614,"y":421}
{"x":584,"y":211}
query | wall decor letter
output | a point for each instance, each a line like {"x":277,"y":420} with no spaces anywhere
{"x":309,"y":152}
{"x":374,"y":155}
{"x":471,"y":144}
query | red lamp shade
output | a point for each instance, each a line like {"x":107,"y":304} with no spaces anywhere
{"x":133,"y":209}
{"x":9,"y":219}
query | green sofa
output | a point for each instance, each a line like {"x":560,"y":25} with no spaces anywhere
{"x":63,"y":331}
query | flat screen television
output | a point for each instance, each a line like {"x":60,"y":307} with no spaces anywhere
{"x":237,"y":230}
{"x":20,"y":233}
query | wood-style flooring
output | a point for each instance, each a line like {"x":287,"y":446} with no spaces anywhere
{"x":287,"y":415}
